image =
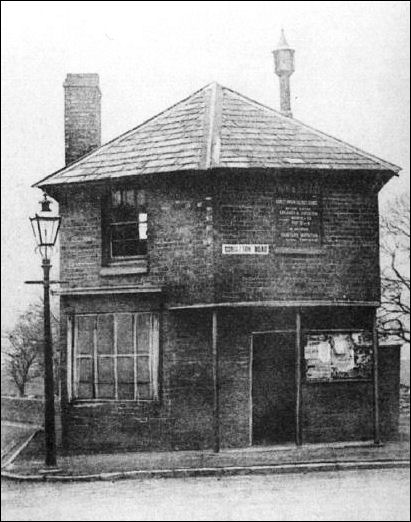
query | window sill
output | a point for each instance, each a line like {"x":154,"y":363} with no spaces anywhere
{"x":141,"y":407}
{"x":118,"y":269}
{"x":95,"y":403}
{"x":337,"y":381}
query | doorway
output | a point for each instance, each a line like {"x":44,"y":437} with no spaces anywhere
{"x":273,"y":388}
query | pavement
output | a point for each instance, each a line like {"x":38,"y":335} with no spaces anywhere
{"x":345,"y":495}
{"x":254,"y":460}
{"x":23,"y":459}
{"x":15,"y":436}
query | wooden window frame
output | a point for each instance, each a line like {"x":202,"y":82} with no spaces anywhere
{"x":152,"y":354}
{"x":108,"y":222}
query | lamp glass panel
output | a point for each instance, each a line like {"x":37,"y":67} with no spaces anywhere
{"x":36,"y":230}
{"x":48,"y":230}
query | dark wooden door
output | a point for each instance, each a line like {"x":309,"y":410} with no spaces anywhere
{"x":273,"y":388}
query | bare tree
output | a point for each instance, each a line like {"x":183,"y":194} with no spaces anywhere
{"x":24,"y":352}
{"x":394,"y":314}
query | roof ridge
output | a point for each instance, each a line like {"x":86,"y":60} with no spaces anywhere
{"x":122,"y":136}
{"x":214,"y":130}
{"x":389,"y":165}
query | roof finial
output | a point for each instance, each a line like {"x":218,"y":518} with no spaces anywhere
{"x":283,"y":44}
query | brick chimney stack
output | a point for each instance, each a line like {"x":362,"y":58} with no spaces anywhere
{"x":284,"y":68}
{"x":82,"y":115}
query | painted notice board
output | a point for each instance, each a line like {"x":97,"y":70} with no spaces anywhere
{"x":298,"y":221}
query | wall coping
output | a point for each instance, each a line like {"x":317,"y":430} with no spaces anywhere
{"x":12,"y":397}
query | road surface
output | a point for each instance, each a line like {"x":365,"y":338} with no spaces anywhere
{"x":348,"y":495}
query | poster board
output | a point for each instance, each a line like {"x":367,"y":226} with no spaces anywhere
{"x":338,"y":356}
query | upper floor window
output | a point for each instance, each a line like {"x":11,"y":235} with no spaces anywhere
{"x":126,"y":224}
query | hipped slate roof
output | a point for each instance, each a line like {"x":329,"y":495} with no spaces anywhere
{"x":216,"y":128}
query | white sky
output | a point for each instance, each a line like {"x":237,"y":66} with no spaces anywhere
{"x":351,"y":81}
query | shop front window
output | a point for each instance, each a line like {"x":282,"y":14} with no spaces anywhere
{"x":116,"y":356}
{"x":338,"y":356}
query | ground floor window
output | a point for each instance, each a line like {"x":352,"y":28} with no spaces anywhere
{"x":115,"y":356}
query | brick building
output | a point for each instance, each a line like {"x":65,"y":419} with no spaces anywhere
{"x":223,"y":276}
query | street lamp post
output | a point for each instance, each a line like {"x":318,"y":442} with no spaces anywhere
{"x":45,"y":228}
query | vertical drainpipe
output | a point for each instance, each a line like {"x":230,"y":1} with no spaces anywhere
{"x":377,"y":439}
{"x":216,"y":385}
{"x":298,"y":394}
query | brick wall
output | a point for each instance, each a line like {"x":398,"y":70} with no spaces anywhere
{"x":389,"y":384}
{"x":29,"y":411}
{"x":337,"y":411}
{"x":180,"y":250}
{"x":187,"y":378}
{"x":346,"y":267}
{"x":341,"y":410}
{"x":181,"y":240}
{"x":190,"y":219}
{"x":22,"y":410}
{"x":182,"y":418}
{"x":344,"y":411}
